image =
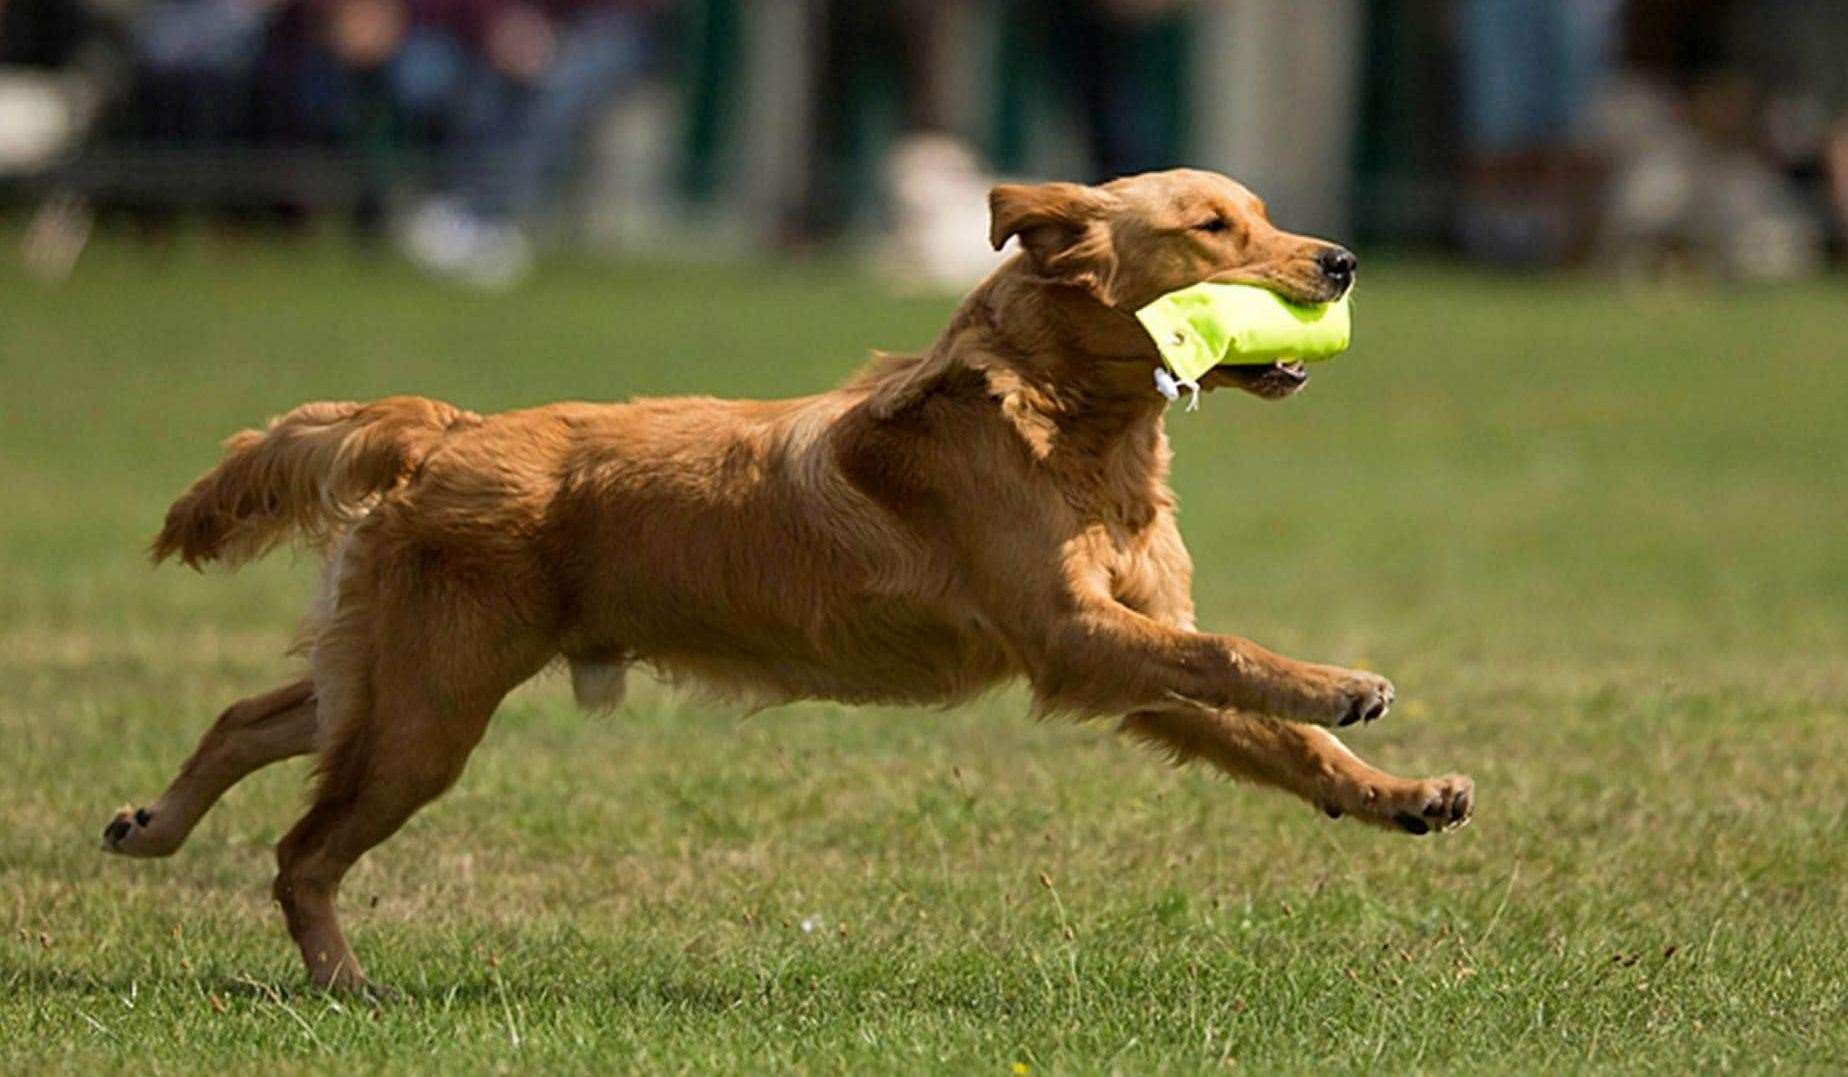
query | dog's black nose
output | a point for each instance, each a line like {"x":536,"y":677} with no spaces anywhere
{"x":1337,"y":264}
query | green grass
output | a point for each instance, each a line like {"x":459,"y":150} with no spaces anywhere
{"x":1600,"y":541}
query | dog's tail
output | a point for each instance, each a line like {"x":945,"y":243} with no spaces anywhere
{"x":312,"y":472}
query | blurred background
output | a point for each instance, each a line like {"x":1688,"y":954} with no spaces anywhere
{"x":1646,"y":137}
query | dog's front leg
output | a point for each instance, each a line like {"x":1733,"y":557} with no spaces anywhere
{"x":1309,"y":762}
{"x":1105,"y":657}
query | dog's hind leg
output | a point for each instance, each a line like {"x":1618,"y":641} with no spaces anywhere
{"x":404,"y":754}
{"x":1310,"y":762}
{"x":250,"y":734}
{"x":410,"y":669}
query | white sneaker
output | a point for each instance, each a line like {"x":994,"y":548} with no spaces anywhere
{"x":446,"y":239}
{"x":939,"y":238}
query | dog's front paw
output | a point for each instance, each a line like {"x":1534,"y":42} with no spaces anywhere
{"x":1414,"y":807}
{"x":1359,"y":697}
{"x":1438,"y":804}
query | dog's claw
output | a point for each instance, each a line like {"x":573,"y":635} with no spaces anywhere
{"x":1460,"y":809}
{"x":1368,"y":699}
{"x":114,"y":833}
{"x":130,"y":834}
{"x":1449,"y":808}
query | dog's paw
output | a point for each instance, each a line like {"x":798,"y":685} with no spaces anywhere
{"x":1363,"y":697}
{"x":1437,"y":804}
{"x":1433,"y":805}
{"x":133,"y":833}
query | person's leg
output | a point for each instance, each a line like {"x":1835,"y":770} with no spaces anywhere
{"x":485,"y":141}
{"x":1505,"y":51}
{"x":473,"y":119}
{"x":821,"y":209}
{"x":424,"y":86}
{"x":1100,"y":56}
{"x":919,"y":28}
{"x":599,"y":55}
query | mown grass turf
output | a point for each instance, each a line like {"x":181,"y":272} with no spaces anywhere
{"x":1597,"y":538}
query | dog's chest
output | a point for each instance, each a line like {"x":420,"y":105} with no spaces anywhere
{"x":915,"y":650}
{"x":1148,"y":569}
{"x":877,"y":650}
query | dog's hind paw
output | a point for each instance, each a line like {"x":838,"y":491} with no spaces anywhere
{"x":132,"y":833}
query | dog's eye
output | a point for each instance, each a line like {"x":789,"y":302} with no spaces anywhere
{"x":1215,"y":224}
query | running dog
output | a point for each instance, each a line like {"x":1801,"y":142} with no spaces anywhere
{"x":995,"y":507}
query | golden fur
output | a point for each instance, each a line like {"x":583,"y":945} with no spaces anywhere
{"x":993,"y":508}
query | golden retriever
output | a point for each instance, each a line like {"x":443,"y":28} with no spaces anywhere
{"x":995,"y":507}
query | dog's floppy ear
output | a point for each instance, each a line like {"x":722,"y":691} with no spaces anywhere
{"x":1063,"y":227}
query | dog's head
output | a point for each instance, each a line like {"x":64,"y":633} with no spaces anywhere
{"x":1125,"y":243}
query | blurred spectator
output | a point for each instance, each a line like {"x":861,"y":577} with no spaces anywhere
{"x":1651,"y":132}
{"x":939,"y":193}
{"x":377,"y":82}
{"x":874,"y":60}
{"x":1115,"y":62}
{"x":192,"y":62}
{"x":44,"y":34}
{"x":1530,"y":72}
{"x":1835,"y":159}
{"x":861,"y":53}
{"x":526,"y":96}
{"x":54,"y":68}
{"x":1796,"y":51}
{"x":870,"y":62}
{"x":486,"y":100}
{"x":1696,"y":181}
{"x":57,"y":65}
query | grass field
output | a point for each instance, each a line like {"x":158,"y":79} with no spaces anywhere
{"x":1600,"y":541}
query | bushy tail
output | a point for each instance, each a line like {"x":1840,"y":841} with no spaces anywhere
{"x":310,"y":473}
